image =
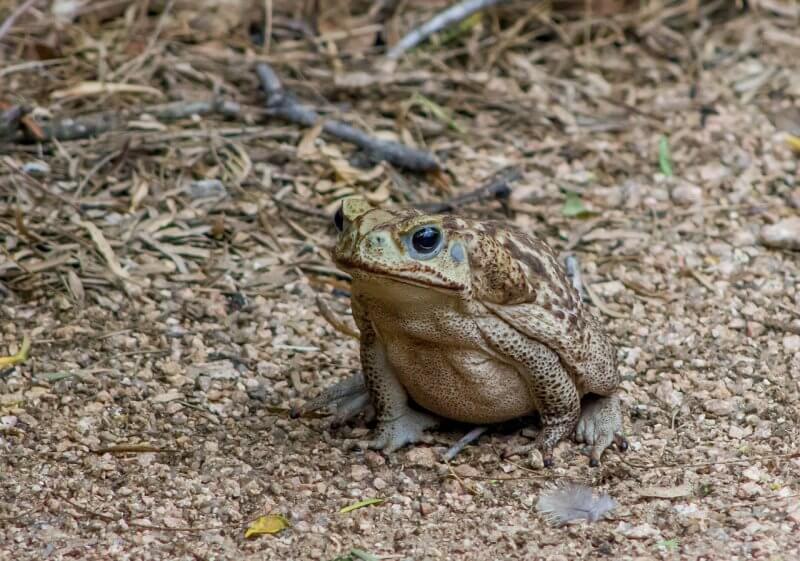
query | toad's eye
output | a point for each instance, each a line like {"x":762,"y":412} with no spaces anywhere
{"x":426,"y":239}
{"x":338,"y":219}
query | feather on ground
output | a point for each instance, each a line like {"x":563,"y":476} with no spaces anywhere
{"x":574,"y":502}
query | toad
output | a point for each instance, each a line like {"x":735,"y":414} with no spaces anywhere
{"x":472,"y":321}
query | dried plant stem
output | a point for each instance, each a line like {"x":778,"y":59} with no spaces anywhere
{"x":442,"y":20}
{"x":98,"y":123}
{"x":281,"y":104}
{"x":497,"y":188}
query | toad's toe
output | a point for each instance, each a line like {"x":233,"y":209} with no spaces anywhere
{"x":406,"y":429}
{"x":600,"y":424}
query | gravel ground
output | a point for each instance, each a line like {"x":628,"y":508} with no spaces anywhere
{"x":150,"y":421}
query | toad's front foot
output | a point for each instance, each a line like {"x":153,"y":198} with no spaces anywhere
{"x":600,"y":425}
{"x":403,"y":430}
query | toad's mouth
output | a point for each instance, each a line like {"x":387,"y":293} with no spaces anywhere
{"x":432,"y":279}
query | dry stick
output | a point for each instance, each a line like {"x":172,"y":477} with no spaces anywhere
{"x":10,"y":20}
{"x":98,"y":123}
{"x":498,"y":188}
{"x":337,"y":323}
{"x":468,"y":438}
{"x":10,"y":120}
{"x":450,"y":16}
{"x":281,"y":104}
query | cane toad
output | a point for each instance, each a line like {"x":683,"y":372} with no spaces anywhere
{"x":472,"y":321}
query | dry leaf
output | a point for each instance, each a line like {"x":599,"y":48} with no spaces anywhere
{"x":379,"y":195}
{"x":75,"y":286}
{"x":307,"y":147}
{"x":105,"y":250}
{"x":21,"y":355}
{"x":349,"y":174}
{"x":361,"y":504}
{"x":344,"y":171}
{"x":370,"y":175}
{"x":794,"y":142}
{"x":98,"y":88}
{"x":666,"y":492}
{"x":140,"y":191}
{"x":271,"y":524}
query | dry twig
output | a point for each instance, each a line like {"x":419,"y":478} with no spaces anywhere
{"x":497,"y":188}
{"x":99,"y":123}
{"x":463,"y":442}
{"x":281,"y":104}
{"x":442,"y":20}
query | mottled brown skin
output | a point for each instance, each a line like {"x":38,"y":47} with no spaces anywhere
{"x":485,"y":329}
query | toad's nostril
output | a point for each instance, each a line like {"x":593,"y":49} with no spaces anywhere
{"x":377,"y":239}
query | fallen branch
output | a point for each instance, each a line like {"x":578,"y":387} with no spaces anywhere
{"x":442,"y":20}
{"x":10,"y":120}
{"x":99,"y":123}
{"x":281,"y":104}
{"x":498,"y":188}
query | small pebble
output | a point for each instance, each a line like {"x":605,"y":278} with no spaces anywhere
{"x":421,"y":456}
{"x":784,"y":234}
{"x":687,"y":194}
{"x":719,"y":407}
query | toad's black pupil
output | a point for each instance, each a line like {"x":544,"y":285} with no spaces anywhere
{"x":338,"y":219}
{"x":426,"y":239}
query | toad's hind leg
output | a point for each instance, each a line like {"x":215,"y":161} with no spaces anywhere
{"x":600,"y":422}
{"x":552,"y":390}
